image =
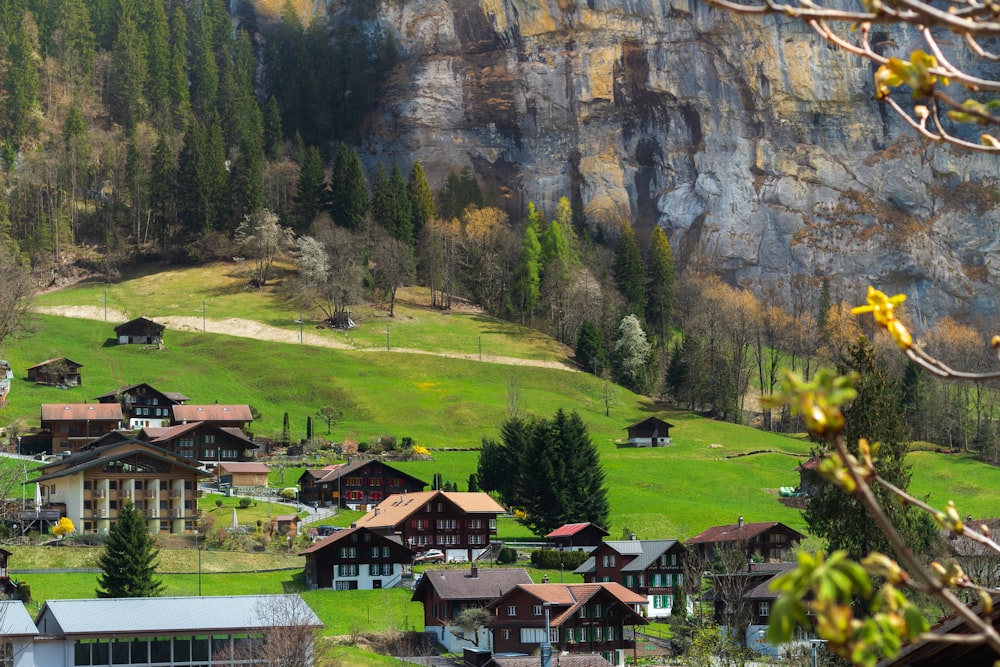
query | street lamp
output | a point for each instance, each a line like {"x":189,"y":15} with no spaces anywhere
{"x":288,"y":538}
{"x":198,"y":545}
{"x":299,"y":322}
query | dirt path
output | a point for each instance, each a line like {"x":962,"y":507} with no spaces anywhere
{"x":258,"y":331}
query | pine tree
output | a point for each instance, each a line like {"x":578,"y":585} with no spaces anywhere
{"x":129,"y":559}
{"x":129,"y":73}
{"x":421,"y":200}
{"x":588,"y":501}
{"x":590,"y":348}
{"x":400,"y":212}
{"x":77,"y":48}
{"x":628,"y":271}
{"x":529,"y":274}
{"x":273,"y":133}
{"x":177,"y":77}
{"x":153,"y":23}
{"x":309,"y":193}
{"x":660,"y":281}
{"x":21,"y":83}
{"x":349,"y":193}
{"x":380,"y":203}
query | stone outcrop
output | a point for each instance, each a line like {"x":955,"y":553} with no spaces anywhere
{"x":756,"y":146}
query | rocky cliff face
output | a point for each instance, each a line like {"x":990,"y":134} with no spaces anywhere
{"x":753,"y":144}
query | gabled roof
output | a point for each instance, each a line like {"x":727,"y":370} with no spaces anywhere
{"x":202,"y":615}
{"x":248,"y":467}
{"x":54,"y":360}
{"x":809,"y":464}
{"x":338,"y":470}
{"x":570,"y":597}
{"x":649,"y":419}
{"x":157,"y":434}
{"x":734,"y":532}
{"x":570,"y":529}
{"x":488,"y":584}
{"x":175,"y":396}
{"x":98,"y":456}
{"x":81,"y":412}
{"x":15,"y":620}
{"x":762,"y":591}
{"x":645,"y":551}
{"x":140,"y":324}
{"x":345,"y":534}
{"x":398,"y":507}
{"x":211,"y":412}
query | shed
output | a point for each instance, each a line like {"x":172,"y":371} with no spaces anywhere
{"x":649,"y":432}
{"x":140,"y":331}
{"x":58,"y":371}
{"x":577,"y":536}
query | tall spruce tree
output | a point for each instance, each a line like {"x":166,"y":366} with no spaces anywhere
{"x":349,"y":193}
{"x":628,"y":271}
{"x":422,"y":206}
{"x":875,"y":414}
{"x":309,"y":193}
{"x":660,"y":281}
{"x":128,"y":560}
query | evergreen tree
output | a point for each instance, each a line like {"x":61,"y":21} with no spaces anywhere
{"x":380,"y":203}
{"x":177,"y":77}
{"x":273,"y":133}
{"x":400,"y":211}
{"x":544,"y":491}
{"x":588,"y":501}
{"x":128,"y":559}
{"x":500,"y":462}
{"x":204,"y":71}
{"x":349,"y":193}
{"x":309,"y":193}
{"x":875,"y":414}
{"x":129,"y":73}
{"x":473,"y":483}
{"x":161,"y":197}
{"x":76,"y":46}
{"x":460,"y":191}
{"x":153,"y":23}
{"x":660,"y":281}
{"x":527,"y":288}
{"x":590,"y":348}
{"x":21,"y":82}
{"x":629,"y":272}
{"x":418,"y":190}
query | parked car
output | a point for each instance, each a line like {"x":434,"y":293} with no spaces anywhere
{"x":324,"y":531}
{"x":434,"y":556}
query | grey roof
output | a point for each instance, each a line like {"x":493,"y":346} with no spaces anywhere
{"x":651,"y":550}
{"x":626,"y":547}
{"x":587,"y":566}
{"x":133,"y":616}
{"x":488,"y":584}
{"x":15,"y":620}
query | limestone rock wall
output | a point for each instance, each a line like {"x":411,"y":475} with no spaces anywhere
{"x":756,"y":146}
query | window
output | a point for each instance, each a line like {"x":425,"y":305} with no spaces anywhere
{"x":375,"y":552}
{"x":506,"y":634}
{"x":348,"y":552}
{"x":375,"y":495}
{"x":230,"y":453}
{"x":536,"y":610}
{"x":354,"y":481}
{"x":598,"y":634}
{"x":446,"y":524}
{"x":380,"y":569}
{"x":493,"y":524}
{"x":764,"y":609}
{"x":208,"y":439}
{"x":512,"y":610}
{"x":608,"y":561}
{"x":477,"y":539}
{"x":679,"y":579}
{"x":475,"y":524}
{"x":209,"y":454}
{"x":628,"y":580}
{"x":580,"y":634}
{"x":420,"y":539}
{"x":385,"y":552}
{"x":375,"y":481}
{"x":395,"y":481}
{"x":611,"y":634}
{"x":597,"y":610}
{"x":347,"y":570}
{"x":447,"y":539}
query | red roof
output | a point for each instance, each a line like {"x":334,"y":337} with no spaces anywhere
{"x":734,"y":532}
{"x":571,"y":529}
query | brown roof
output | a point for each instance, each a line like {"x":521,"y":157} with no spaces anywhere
{"x":343,"y":534}
{"x":212,"y":412}
{"x":278,"y":518}
{"x":54,"y":360}
{"x":165,"y":433}
{"x":734,"y":532}
{"x":569,"y":529}
{"x":488,"y":584}
{"x":81,"y":411}
{"x":570,"y":597}
{"x":338,"y":470}
{"x":236,"y":466}
{"x":398,"y":507}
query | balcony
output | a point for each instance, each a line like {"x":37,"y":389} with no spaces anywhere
{"x":102,"y":513}
{"x":151,"y":493}
{"x":174,"y":494}
{"x":124,"y":494}
{"x":152,"y":513}
{"x":100,"y":493}
{"x":178,"y":512}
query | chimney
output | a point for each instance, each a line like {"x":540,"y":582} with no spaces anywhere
{"x":545,"y":578}
{"x":376,"y":511}
{"x":474,"y":571}
{"x":631,"y":536}
{"x":739,"y":524}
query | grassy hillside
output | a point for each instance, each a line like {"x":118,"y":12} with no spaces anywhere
{"x":440,"y":402}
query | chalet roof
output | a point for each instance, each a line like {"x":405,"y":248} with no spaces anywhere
{"x":647,"y":420}
{"x":54,"y":360}
{"x":157,"y":434}
{"x":809,"y":464}
{"x":645,"y":551}
{"x":928,"y":652}
{"x":345,"y":535}
{"x":571,"y":660}
{"x":172,"y":395}
{"x":399,"y":506}
{"x":338,"y":470}
{"x":570,"y":529}
{"x":98,"y":456}
{"x":281,"y":518}
{"x":15,"y":620}
{"x":207,"y":615}
{"x":488,"y":584}
{"x":238,"y":466}
{"x":762,"y":591}
{"x":570,"y":597}
{"x":141,"y":325}
{"x":81,"y":412}
{"x":211,"y":412}
{"x":735,"y":532}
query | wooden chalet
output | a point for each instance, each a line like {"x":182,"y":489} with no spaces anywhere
{"x":242,"y":474}
{"x":356,"y":484}
{"x":206,"y":442}
{"x":233,"y":416}
{"x":140,"y":331}
{"x":143,"y":405}
{"x":577,"y":536}
{"x":649,"y":432}
{"x":59,"y":371}
{"x":356,"y":558}
{"x":772,"y":541}
{"x":460,"y":524}
{"x":653,"y":569}
{"x":92,"y":486}
{"x":446,"y":593}
{"x":75,"y":425}
{"x":595,"y":619}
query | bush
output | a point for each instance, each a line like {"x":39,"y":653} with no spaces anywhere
{"x":552,"y":559}
{"x":507,"y":556}
{"x":245,"y":503}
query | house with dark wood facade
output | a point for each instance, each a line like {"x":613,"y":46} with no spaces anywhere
{"x":143,"y":405}
{"x":769,"y":540}
{"x":75,"y":425}
{"x":583,"y":618}
{"x":356,"y":558}
{"x":92,"y":486}
{"x":201,"y":441}
{"x":460,"y":524}
{"x":356,"y":484}
{"x":649,"y":432}
{"x":60,"y":371}
{"x":577,"y":536}
{"x":140,"y":331}
{"x":446,"y":593}
{"x":652,"y":569}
